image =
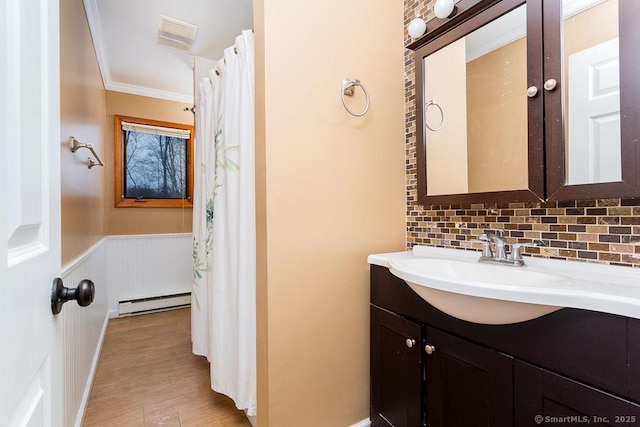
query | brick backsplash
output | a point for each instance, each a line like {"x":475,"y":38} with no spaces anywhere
{"x":603,"y":231}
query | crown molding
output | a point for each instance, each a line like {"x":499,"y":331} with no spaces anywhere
{"x":91,"y":9}
{"x":93,"y":18}
{"x":152,"y":93}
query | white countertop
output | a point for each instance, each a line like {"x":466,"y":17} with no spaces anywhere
{"x":598,"y":287}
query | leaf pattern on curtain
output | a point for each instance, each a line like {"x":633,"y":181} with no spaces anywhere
{"x":210,"y":133}
{"x":223,"y":161}
{"x":201,"y":258}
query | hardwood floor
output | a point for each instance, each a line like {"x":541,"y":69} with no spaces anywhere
{"x":147,"y":376}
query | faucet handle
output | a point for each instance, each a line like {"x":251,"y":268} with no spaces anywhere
{"x":499,"y":241}
{"x":484,"y":237}
{"x":516,"y":252}
{"x":486,"y":245}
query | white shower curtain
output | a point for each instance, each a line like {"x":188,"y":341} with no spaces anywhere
{"x":223,"y":298}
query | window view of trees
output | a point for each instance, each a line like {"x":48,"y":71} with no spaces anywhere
{"x":155,"y":166}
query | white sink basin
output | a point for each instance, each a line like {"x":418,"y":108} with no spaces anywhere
{"x":456,"y":283}
{"x":431,"y":277}
{"x":472,"y":272}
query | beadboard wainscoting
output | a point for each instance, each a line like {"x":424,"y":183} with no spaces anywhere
{"x":83,"y":329}
{"x":147,"y":266}
{"x":122,"y":268}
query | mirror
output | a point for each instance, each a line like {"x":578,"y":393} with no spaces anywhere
{"x":475,"y":110}
{"x":529,"y":101}
{"x":593,"y":152}
{"x":591,"y":74}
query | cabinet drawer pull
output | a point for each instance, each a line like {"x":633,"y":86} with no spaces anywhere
{"x":430,"y":349}
{"x":410,"y":342}
{"x":550,"y":85}
{"x":532,"y":91}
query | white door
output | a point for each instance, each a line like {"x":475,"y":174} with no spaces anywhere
{"x":29,"y":211}
{"x":594,"y":115}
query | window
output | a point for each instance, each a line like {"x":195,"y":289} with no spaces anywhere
{"x":153,"y":163}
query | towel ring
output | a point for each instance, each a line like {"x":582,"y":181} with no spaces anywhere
{"x":426,"y":107}
{"x":348,"y":86}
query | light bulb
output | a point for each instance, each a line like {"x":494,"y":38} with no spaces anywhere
{"x":443,"y":8}
{"x":417,"y":27}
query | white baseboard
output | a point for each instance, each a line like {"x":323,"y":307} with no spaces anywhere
{"x":149,"y":305}
{"x":92,"y":375}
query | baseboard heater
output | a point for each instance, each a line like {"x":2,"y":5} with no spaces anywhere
{"x":153,"y":304}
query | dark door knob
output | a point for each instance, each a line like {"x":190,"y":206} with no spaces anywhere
{"x":84,"y":294}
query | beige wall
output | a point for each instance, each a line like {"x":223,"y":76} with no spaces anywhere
{"x":330,"y":191}
{"x":82,"y":115}
{"x":142,"y":220}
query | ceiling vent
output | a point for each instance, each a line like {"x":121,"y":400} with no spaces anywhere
{"x":176,"y":34}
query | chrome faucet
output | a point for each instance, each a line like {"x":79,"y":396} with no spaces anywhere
{"x":500,"y":244}
{"x":500,"y":256}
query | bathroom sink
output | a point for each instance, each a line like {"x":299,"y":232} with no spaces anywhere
{"x":456,"y":283}
{"x":433,"y":278}
{"x":472,"y":272}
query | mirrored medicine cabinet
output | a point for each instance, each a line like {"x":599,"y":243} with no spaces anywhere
{"x":512,"y":107}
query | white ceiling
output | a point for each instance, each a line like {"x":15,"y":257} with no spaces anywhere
{"x":125,"y":34}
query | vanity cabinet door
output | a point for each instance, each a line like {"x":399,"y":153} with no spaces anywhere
{"x":467,"y":385}
{"x":544,"y":398}
{"x":396,"y":370}
{"x":634,"y":359}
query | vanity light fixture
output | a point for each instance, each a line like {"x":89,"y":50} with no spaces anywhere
{"x":417,"y":27}
{"x":444,"y":8}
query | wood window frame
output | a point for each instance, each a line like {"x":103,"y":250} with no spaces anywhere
{"x":119,"y":168}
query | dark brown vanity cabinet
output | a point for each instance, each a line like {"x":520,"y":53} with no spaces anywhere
{"x":431,"y":369}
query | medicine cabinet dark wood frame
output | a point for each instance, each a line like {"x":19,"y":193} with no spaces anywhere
{"x":629,"y":36}
{"x":546,"y":144}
